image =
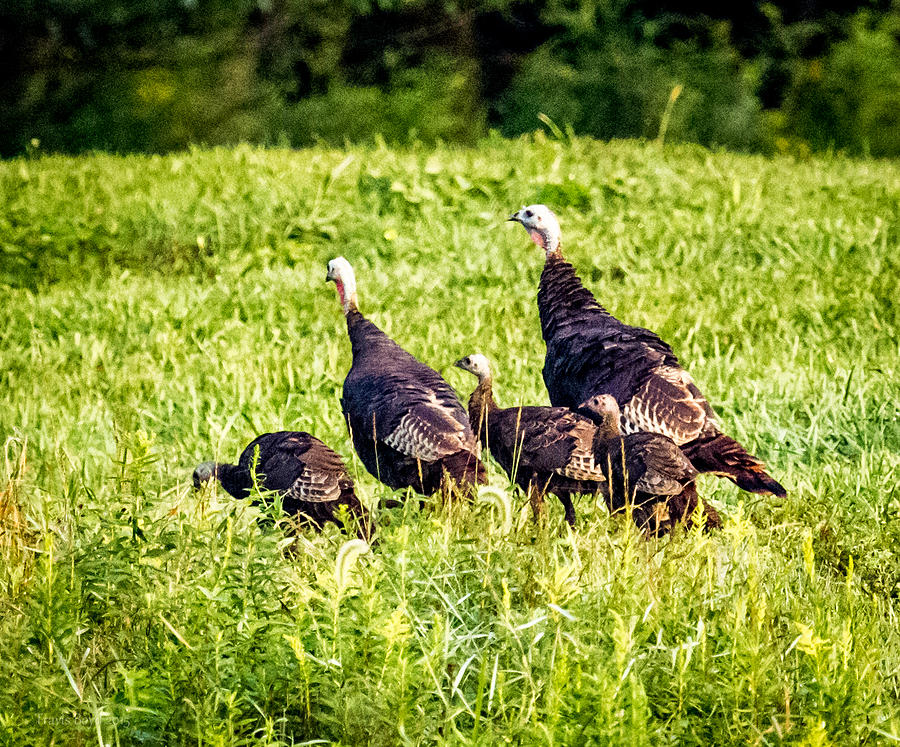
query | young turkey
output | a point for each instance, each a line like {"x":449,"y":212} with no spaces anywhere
{"x":645,"y":468}
{"x":406,"y":422}
{"x":310,"y":477}
{"x":542,"y":449}
{"x":591,"y":352}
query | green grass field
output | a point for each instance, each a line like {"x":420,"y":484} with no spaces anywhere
{"x":160,"y":311}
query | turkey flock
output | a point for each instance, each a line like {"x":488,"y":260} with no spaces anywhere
{"x":626,"y":421}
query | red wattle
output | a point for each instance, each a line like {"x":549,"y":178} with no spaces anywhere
{"x":537,"y":238}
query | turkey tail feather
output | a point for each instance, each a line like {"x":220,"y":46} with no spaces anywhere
{"x":725,"y":456}
{"x":465,"y":468}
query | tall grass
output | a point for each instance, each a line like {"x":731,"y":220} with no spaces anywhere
{"x":163,"y":311}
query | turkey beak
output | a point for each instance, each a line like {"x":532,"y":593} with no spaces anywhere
{"x":329,"y":277}
{"x":514,"y":217}
{"x":459,"y":363}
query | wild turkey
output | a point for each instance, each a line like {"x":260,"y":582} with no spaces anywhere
{"x":591,"y":352}
{"x":645,"y":468}
{"x":543,"y":449}
{"x":311,"y":477}
{"x":407,"y":424}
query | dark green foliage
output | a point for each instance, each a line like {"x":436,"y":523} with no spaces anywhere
{"x":621,"y":90}
{"x":159,"y":76}
{"x":437,"y":100}
{"x":849,"y":99}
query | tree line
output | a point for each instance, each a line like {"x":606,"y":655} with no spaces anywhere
{"x":136,"y":75}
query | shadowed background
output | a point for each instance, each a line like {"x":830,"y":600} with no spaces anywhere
{"x":133,"y":75}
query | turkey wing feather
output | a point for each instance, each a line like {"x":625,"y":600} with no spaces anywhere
{"x":422,"y":422}
{"x":553,"y":440}
{"x":667,"y":403}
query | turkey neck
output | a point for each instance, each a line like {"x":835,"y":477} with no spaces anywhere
{"x":608,"y":427}
{"x":481,"y":406}
{"x":561,"y":292}
{"x":234,"y":479}
{"x":366,"y":338}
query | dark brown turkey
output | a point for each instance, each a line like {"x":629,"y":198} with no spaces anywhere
{"x":542,"y":449}
{"x":406,"y":422}
{"x":310,"y":477}
{"x":590,"y":352}
{"x":645,"y":468}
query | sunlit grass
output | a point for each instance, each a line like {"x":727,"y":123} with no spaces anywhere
{"x":163,"y":311}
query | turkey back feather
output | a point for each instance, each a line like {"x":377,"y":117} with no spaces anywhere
{"x":310,"y":477}
{"x":405,"y":420}
{"x":590,"y":352}
{"x":588,"y":349}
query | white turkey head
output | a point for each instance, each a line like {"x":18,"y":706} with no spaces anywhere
{"x":542,"y":226}
{"x":340,"y":271}
{"x":476,"y":364}
{"x":203,"y":473}
{"x":603,"y":410}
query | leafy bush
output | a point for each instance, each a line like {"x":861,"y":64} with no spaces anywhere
{"x":616,"y":87}
{"x":850,"y":98}
{"x":128,"y":76}
{"x":437,"y":101}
